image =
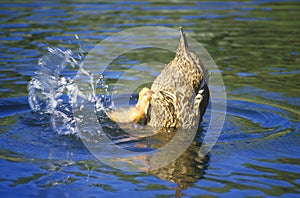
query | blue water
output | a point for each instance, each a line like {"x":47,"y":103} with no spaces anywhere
{"x":256,"y":47}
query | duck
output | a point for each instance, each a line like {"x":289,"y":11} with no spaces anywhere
{"x":178,"y":97}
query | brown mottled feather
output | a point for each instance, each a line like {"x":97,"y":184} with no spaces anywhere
{"x":176,"y":98}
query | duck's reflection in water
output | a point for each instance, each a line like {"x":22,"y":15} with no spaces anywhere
{"x":186,"y":170}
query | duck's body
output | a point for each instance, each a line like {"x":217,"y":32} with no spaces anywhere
{"x":178,"y":96}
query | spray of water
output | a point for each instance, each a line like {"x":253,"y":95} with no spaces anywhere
{"x":51,"y":94}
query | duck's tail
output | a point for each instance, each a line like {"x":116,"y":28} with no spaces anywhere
{"x":183,"y":40}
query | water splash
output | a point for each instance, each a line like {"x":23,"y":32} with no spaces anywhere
{"x":51,"y":94}
{"x":46,"y":86}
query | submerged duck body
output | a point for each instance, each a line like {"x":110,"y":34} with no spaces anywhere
{"x":178,"y":97}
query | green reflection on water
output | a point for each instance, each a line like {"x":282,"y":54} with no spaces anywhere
{"x":262,"y":41}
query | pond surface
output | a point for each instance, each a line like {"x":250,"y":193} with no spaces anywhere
{"x":257,"y":49}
